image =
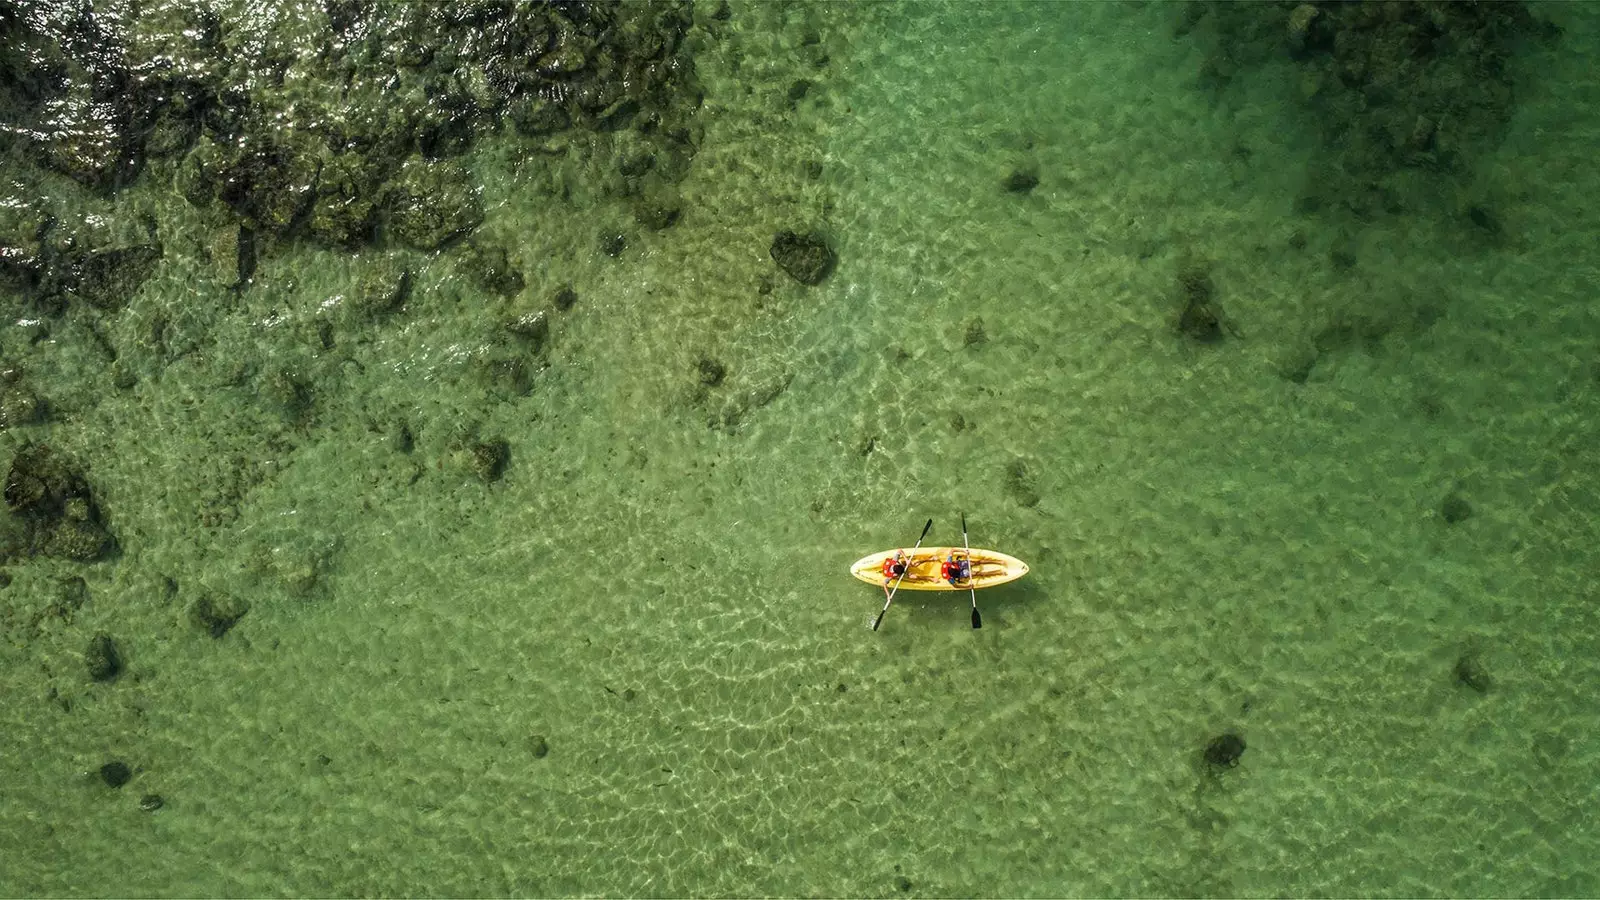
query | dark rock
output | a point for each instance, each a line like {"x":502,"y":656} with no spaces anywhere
{"x":490,"y":458}
{"x":975,"y":335}
{"x":102,"y":658}
{"x":1406,"y":96}
{"x":1469,"y":672}
{"x":658,"y":210}
{"x":345,"y":210}
{"x":532,"y":327}
{"x":613,"y":243}
{"x":1455,"y":509}
{"x":538,"y":116}
{"x":1484,"y":219}
{"x":19,"y":406}
{"x":711,"y":371}
{"x":806,"y":258}
{"x":1019,"y":483}
{"x":636,"y":164}
{"x":1298,"y":365}
{"x":151,"y":802}
{"x":105,"y":279}
{"x":116,"y":773}
{"x":270,"y":183}
{"x":619,"y":116}
{"x":1022,"y":181}
{"x":1201,"y":319}
{"x":72,"y":595}
{"x":381,"y":289}
{"x":491,"y":268}
{"x":539,"y":746}
{"x":564,"y":298}
{"x":741,"y":405}
{"x":509,"y":373}
{"x":55,"y":506}
{"x":217,"y":613}
{"x":433,"y":204}
{"x":293,"y":395}
{"x":1224,"y":750}
{"x":245,"y":257}
{"x":402,"y":439}
{"x":449,"y":120}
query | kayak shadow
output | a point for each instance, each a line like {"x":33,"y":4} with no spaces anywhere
{"x":1002,"y":606}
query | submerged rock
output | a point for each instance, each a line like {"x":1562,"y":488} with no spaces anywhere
{"x":102,"y":659}
{"x":490,"y":268}
{"x":55,"y":508}
{"x":105,"y":279}
{"x":806,"y":258}
{"x":432,"y":204}
{"x":1224,"y":750}
{"x":217,"y":613}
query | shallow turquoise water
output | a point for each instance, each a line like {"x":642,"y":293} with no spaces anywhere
{"x":658,"y":586}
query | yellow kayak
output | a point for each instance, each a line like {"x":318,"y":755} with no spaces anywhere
{"x":989,"y":568}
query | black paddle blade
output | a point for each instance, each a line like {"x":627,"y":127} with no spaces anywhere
{"x":878,"y":621}
{"x":925,"y":530}
{"x":977,"y":620}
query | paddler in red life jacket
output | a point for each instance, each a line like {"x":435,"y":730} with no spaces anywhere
{"x":956,"y":570}
{"x":894,"y":567}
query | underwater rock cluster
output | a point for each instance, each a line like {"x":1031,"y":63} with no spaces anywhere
{"x":358,"y":141}
{"x":1404,"y":92}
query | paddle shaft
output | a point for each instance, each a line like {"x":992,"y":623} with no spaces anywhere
{"x":977,"y":620}
{"x":879,"y":620}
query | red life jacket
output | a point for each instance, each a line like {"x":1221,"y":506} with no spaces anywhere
{"x":955,"y":570}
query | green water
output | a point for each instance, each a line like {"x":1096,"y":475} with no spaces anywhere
{"x":657,"y":588}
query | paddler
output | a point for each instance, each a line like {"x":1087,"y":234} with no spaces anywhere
{"x":894,"y":567}
{"x":956,"y":571}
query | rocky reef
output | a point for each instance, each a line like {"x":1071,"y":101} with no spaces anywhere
{"x":1407,"y":95}
{"x":351,"y":144}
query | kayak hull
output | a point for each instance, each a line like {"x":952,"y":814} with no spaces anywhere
{"x":989,"y":569}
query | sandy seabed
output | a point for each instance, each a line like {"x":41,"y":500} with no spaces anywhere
{"x":657,"y":590}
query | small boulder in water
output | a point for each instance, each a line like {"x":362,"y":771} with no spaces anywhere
{"x":806,"y":258}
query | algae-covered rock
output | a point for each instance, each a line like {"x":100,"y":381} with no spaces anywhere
{"x":216,"y":613}
{"x":106,"y":279}
{"x":102,"y":659}
{"x":55,"y":507}
{"x":490,"y":458}
{"x":269,"y":182}
{"x":491,"y":269}
{"x":658,"y":205}
{"x":537,"y":116}
{"x":432,"y":204}
{"x":533,"y":328}
{"x":18,"y":404}
{"x":344,"y":212}
{"x":806,"y":258}
{"x":382,"y":288}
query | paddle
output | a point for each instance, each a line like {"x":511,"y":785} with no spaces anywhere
{"x":977,"y":620}
{"x":879,"y":620}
